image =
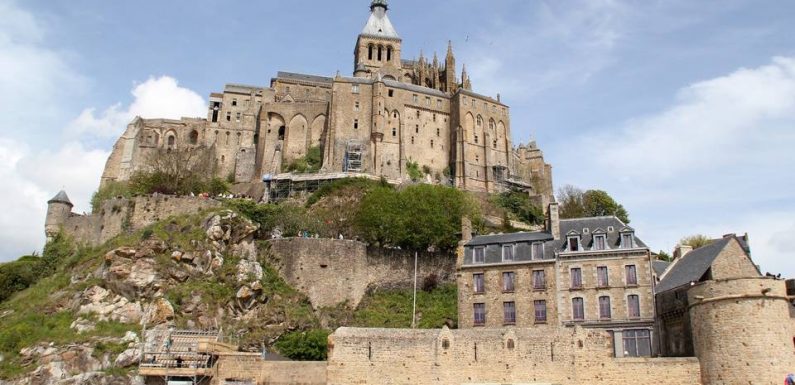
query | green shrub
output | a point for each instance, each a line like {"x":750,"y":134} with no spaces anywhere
{"x":519,"y":204}
{"x":308,"y":164}
{"x":309,"y":345}
{"x":111,"y":189}
{"x":287,"y":216}
{"x":363,"y":184}
{"x":413,"y":170}
{"x":392,"y":308}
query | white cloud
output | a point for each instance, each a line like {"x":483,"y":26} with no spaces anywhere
{"x":718,"y":160}
{"x":155,"y":98}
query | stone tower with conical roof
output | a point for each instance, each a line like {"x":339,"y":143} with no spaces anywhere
{"x":378,"y":46}
{"x":59,"y":208}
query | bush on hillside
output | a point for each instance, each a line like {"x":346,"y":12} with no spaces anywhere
{"x":309,"y":345}
{"x":289,"y":217}
{"x":521,"y":206}
{"x":308,"y":164}
{"x":20,"y":274}
{"x":110,"y":190}
{"x":363,"y":184}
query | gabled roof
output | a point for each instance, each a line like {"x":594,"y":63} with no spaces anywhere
{"x":509,"y":238}
{"x":659,"y":267}
{"x":611,"y":226}
{"x":61,"y":197}
{"x":692,"y":266}
{"x":378,"y":25}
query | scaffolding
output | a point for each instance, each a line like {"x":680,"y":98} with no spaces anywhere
{"x":291,"y":186}
{"x":353,"y":156}
{"x":179,"y":356}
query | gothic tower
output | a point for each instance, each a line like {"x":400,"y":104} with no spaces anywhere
{"x":449,"y":70}
{"x":378,"y":46}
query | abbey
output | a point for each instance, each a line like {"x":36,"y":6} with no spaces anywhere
{"x":393,"y":114}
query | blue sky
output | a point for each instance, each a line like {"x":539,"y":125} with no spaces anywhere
{"x":684,"y":111}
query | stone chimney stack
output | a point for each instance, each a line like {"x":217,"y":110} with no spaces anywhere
{"x":553,"y":220}
{"x":681,"y":250}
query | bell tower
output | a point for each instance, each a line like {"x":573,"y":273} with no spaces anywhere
{"x":378,"y":46}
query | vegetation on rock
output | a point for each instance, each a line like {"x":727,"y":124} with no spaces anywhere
{"x":308,"y":164}
{"x":574,"y":203}
{"x":520,"y":205}
{"x":310,"y":345}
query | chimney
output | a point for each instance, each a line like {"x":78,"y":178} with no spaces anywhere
{"x":553,"y":220}
{"x":681,"y":250}
{"x":466,"y":230}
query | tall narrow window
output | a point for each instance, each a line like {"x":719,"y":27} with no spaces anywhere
{"x":394,"y":131}
{"x":389,"y":53}
{"x":632,"y":275}
{"x":576,"y":278}
{"x":507,"y":253}
{"x":574,"y":243}
{"x":171,"y":141}
{"x":356,"y":124}
{"x":370,"y":52}
{"x":479,"y":255}
{"x":539,"y":280}
{"x":627,"y":241}
{"x":633,"y":306}
{"x":480,"y":313}
{"x":416,"y":99}
{"x":537,"y":250}
{"x":194,"y":137}
{"x":438,"y":132}
{"x":509,"y":312}
{"x":478,"y":284}
{"x":237,"y":117}
{"x":234,"y":102}
{"x":577,"y":309}
{"x":604,"y":307}
{"x":228,"y":116}
{"x":356,"y":106}
{"x":540,"y":307}
{"x":599,"y":242}
{"x":602,"y":276}
{"x":380,"y":48}
{"x":431,"y":143}
{"x":508,"y":278}
{"x":417,"y":129}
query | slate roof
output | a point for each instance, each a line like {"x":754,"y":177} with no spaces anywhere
{"x":378,"y":25}
{"x":61,"y":197}
{"x":659,"y":267}
{"x":509,"y":238}
{"x":692,"y":266}
{"x":414,"y":88}
{"x":303,"y":77}
{"x":606,"y":223}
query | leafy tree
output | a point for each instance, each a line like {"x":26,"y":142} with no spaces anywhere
{"x":663,"y":256}
{"x":695,"y":241}
{"x":178,"y":171}
{"x":413,"y":169}
{"x":574,"y":203}
{"x":310,"y":345}
{"x":520,"y":204}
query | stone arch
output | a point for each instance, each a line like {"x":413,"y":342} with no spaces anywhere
{"x":193,"y":138}
{"x":407,"y":78}
{"x":295,"y":138}
{"x":469,"y":127}
{"x":171,"y":139}
{"x":389,"y":77}
{"x":276,"y":125}
{"x":502,"y":136}
{"x":478,"y":133}
{"x":318,"y":126}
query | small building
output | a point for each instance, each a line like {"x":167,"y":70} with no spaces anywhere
{"x":592,"y":272}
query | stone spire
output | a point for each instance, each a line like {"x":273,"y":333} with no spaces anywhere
{"x":465,"y":82}
{"x":379,"y":24}
{"x":449,"y":70}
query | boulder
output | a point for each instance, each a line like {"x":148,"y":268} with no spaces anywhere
{"x":82,"y":325}
{"x":107,"y":307}
{"x":128,"y":358}
{"x":158,"y":312}
{"x":248,"y":271}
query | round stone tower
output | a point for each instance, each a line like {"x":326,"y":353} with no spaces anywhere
{"x":741,"y":331}
{"x":58,"y":209}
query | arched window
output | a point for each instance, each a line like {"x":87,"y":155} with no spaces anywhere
{"x":171,"y":141}
{"x":379,"y":52}
{"x":370,"y":52}
{"x":389,"y":53}
{"x":238,"y":138}
{"x":480,"y":121}
{"x":281,"y":133}
{"x":227,"y":137}
{"x":194,"y":137}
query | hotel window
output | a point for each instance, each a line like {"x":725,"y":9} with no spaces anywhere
{"x":637,"y":343}
{"x":577,"y":309}
{"x":537,"y":250}
{"x":509,"y":312}
{"x":604,"y":307}
{"x":576,"y":278}
{"x":478,"y":284}
{"x":228,"y":116}
{"x":479,"y":255}
{"x":540,"y":307}
{"x":480,"y":314}
{"x":627,"y":240}
{"x":601,"y":276}
{"x":539,"y":280}
{"x":599,"y":242}
{"x":507,"y":253}
{"x":574,"y":244}
{"x":354,"y":89}
{"x":633,"y":306}
{"x":508,"y":281}
{"x":632,"y":275}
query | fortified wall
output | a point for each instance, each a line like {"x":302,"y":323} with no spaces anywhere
{"x":253,"y":369}
{"x":331,"y":271}
{"x":543,"y":355}
{"x":118,"y":215}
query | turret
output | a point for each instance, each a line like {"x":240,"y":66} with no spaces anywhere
{"x":58,"y":210}
{"x":465,"y":83}
{"x":449,"y":70}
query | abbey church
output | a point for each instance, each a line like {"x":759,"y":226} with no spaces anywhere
{"x":391,"y":115}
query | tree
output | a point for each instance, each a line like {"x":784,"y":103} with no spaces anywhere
{"x":695,"y":241}
{"x":310,"y":345}
{"x":520,"y":204}
{"x":663,"y":256}
{"x":178,"y":171}
{"x":574,"y":203}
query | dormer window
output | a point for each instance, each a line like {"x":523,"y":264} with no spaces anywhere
{"x":507,"y":253}
{"x":610,"y":229}
{"x":627,"y":240}
{"x":479,"y":255}
{"x":574,"y":243}
{"x":537,"y":250}
{"x":599,"y":242}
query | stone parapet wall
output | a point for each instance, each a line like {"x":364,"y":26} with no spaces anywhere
{"x":332,"y":271}
{"x":550,"y":355}
{"x":252,"y":367}
{"x":117,"y":216}
{"x":740,"y":331}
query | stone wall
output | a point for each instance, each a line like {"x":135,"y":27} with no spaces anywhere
{"x":740,"y":331}
{"x":332,"y":271}
{"x":252,"y":367}
{"x":550,"y":355}
{"x":117,"y":216}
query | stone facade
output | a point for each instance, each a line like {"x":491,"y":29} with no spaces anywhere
{"x":251,"y":367}
{"x":391,"y":113}
{"x":333,"y":271}
{"x":541,"y":355}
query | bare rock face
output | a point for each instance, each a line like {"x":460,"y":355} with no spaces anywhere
{"x":62,"y":364}
{"x":158,"y":312}
{"x":108,"y":306}
{"x":248,"y":271}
